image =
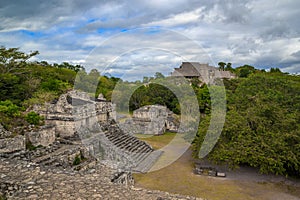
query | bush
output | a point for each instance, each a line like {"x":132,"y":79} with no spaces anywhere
{"x":33,"y":118}
{"x":77,"y":160}
{"x":10,"y":109}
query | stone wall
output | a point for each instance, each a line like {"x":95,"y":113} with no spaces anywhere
{"x":152,"y":119}
{"x":74,"y":110}
{"x":4,"y":133}
{"x":9,"y":145}
{"x":43,"y":137}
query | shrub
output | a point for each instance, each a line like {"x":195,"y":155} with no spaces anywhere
{"x":10,"y":109}
{"x":33,"y":118}
{"x":77,"y":160}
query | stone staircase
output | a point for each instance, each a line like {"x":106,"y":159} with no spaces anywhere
{"x":138,"y":156}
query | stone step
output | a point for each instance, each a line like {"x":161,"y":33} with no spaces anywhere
{"x":12,"y":155}
{"x":61,"y":151}
{"x":85,"y":165}
{"x":139,"y":157}
{"x":133,"y":146}
{"x":50,"y":162}
{"x":139,"y":148}
{"x":146,"y":164}
{"x":115,"y":139}
{"x":125,"y":143}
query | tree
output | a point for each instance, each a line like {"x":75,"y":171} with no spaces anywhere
{"x":159,"y":75}
{"x":262,"y":124}
{"x":221,"y":66}
{"x":245,"y":70}
{"x":229,"y":67}
{"x":14,"y":61}
{"x":275,"y":70}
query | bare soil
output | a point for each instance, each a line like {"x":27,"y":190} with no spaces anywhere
{"x":243,"y":183}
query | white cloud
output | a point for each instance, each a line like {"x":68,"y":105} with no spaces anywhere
{"x":179,"y":19}
{"x":253,"y":32}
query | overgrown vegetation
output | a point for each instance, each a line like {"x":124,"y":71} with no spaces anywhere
{"x":262,"y":127}
{"x":262,"y":122}
{"x":79,"y":158}
{"x":31,"y":147}
{"x":24,"y":84}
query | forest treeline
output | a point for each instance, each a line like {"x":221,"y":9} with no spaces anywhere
{"x":262,"y":127}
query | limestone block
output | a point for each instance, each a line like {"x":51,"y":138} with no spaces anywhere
{"x":44,"y":137}
{"x":12,"y":144}
{"x":4,"y":133}
{"x":64,"y":128}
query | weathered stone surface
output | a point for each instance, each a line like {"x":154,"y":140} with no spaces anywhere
{"x":44,"y":136}
{"x":12,"y":144}
{"x":4,"y":133}
{"x":24,"y":180}
{"x":74,"y":110}
{"x":52,"y":173}
{"x":152,"y":119}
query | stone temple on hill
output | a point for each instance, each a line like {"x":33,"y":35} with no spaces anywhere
{"x":203,"y":72}
{"x":75,"y":116}
{"x":153,"y":120}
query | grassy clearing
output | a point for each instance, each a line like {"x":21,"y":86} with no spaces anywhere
{"x":157,"y":141}
{"x":178,"y":178}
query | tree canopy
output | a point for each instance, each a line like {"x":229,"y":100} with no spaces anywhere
{"x":262,"y":127}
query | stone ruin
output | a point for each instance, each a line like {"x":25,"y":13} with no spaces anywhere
{"x":77,"y":125}
{"x":152,"y":119}
{"x":77,"y":128}
{"x":92,"y":122}
{"x":74,"y":110}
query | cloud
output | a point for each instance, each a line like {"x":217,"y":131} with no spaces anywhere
{"x":254,"y":32}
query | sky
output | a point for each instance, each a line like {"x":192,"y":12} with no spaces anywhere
{"x":137,"y":38}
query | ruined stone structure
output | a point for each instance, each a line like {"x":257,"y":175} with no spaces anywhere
{"x":152,"y":119}
{"x":203,"y":72}
{"x":120,"y":150}
{"x":67,"y":160}
{"x":93,"y":122}
{"x":8,"y":145}
{"x":26,"y":180}
{"x":43,"y":137}
{"x":75,"y":110}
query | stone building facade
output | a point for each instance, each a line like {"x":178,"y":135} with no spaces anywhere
{"x":75,"y":115}
{"x":203,"y":72}
{"x":152,"y":119}
{"x":75,"y":110}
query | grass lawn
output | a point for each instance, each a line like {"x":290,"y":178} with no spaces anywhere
{"x":179,"y":178}
{"x":157,"y":141}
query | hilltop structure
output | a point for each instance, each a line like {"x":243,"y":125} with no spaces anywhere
{"x":76,"y":116}
{"x":203,"y":72}
{"x":153,"y":120}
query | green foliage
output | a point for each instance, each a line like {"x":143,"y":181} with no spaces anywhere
{"x":78,"y":159}
{"x":33,"y":118}
{"x":14,"y":61}
{"x":30,"y":146}
{"x":154,"y":94}
{"x":275,"y":70}
{"x":245,"y":70}
{"x":11,"y":115}
{"x":221,"y":65}
{"x":39,"y":98}
{"x":10,"y":109}
{"x":24,"y":83}
{"x":54,"y":85}
{"x":203,"y":97}
{"x":262,"y":124}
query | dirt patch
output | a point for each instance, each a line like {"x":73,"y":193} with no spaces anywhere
{"x":244,"y":183}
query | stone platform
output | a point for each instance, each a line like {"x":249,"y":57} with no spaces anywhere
{"x":27,"y":180}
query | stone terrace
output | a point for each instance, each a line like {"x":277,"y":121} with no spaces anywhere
{"x":27,"y":180}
